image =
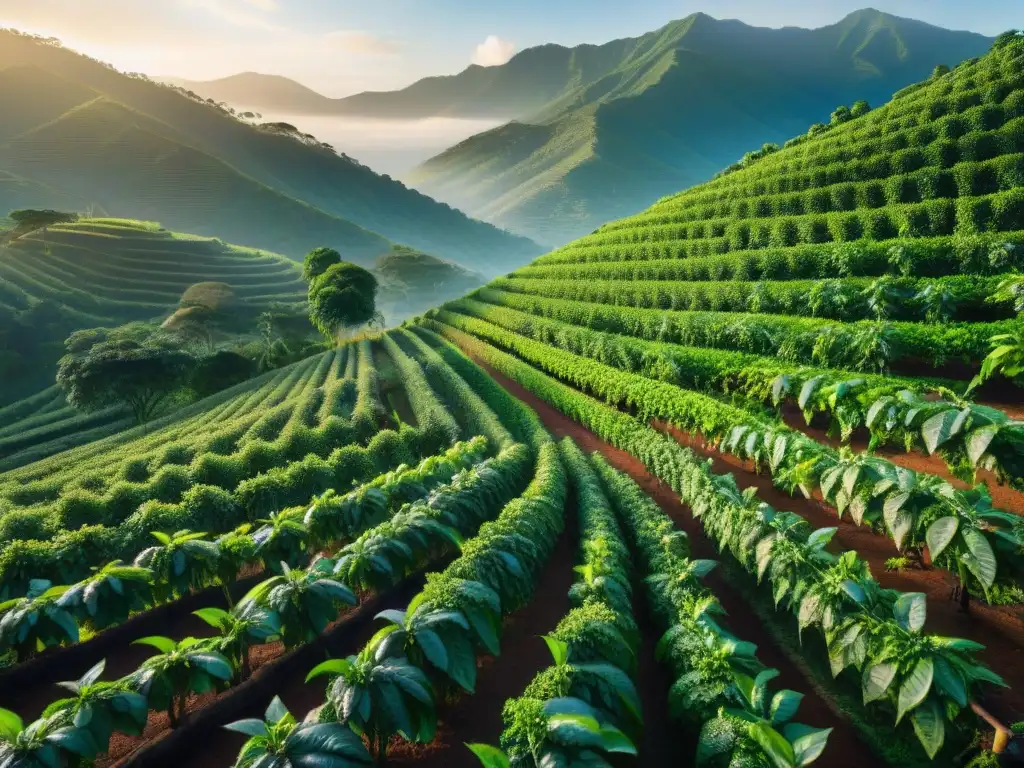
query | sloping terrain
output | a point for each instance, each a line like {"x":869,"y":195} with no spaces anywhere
{"x":301,"y":173}
{"x":677,"y":105}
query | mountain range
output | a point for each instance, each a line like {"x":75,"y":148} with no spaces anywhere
{"x":75,"y":133}
{"x":598,"y":132}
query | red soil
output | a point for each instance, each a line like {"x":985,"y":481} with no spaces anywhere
{"x":845,"y":749}
{"x":477,"y":718}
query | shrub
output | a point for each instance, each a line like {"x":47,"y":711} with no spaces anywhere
{"x":387,"y":449}
{"x":170,"y":482}
{"x":77,"y":508}
{"x":211,"y":509}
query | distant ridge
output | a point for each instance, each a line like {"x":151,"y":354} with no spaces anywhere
{"x":136,"y":148}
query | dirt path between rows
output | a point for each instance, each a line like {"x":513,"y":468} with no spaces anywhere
{"x":845,"y":749}
{"x":999,"y":629}
{"x":477,"y":718}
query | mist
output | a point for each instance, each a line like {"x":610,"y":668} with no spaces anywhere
{"x":393,"y":147}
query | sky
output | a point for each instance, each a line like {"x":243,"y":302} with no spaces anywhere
{"x":339,"y":47}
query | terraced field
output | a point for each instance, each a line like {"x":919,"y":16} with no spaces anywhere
{"x":113,"y":271}
{"x":779,"y":527}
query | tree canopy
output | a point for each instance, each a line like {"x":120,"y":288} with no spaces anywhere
{"x":125,"y":372}
{"x":318,"y":261}
{"x":344,"y":296}
{"x":33,"y":218}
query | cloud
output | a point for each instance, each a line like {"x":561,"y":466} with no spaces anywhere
{"x":493,"y":51}
{"x":250,"y":14}
{"x":362,"y":43}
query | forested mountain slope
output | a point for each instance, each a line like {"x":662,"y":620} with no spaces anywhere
{"x":177,"y":133}
{"x":653,"y":114}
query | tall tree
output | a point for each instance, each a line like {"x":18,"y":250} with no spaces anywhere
{"x":342,"y":297}
{"x":318,"y":261}
{"x":127,"y":373}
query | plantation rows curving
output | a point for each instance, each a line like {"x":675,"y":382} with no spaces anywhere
{"x":864,"y":626}
{"x":896,"y":411}
{"x":962,"y":530}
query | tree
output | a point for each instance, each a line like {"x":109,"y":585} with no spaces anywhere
{"x":841,"y":115}
{"x":219,"y":371}
{"x":939,"y":71}
{"x":318,"y":261}
{"x":27,"y":220}
{"x":342,"y":297}
{"x":860,"y":108}
{"x":1007,"y":38}
{"x":142,"y":377}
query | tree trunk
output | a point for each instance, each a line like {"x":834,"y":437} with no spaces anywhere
{"x":965,"y":597}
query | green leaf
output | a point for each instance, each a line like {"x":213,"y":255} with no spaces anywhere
{"x":276,"y":711}
{"x":773,"y":744}
{"x":215,"y":617}
{"x":559,"y":649}
{"x":93,"y":674}
{"x":162,"y":644}
{"x":979,"y":440}
{"x":983,"y":561}
{"x":929,"y":726}
{"x":942,"y":426}
{"x":615,"y":741}
{"x":915,"y":687}
{"x":433,"y":648}
{"x":785,"y":703}
{"x":808,"y":743}
{"x":10,"y":725}
{"x":876,"y":680}
{"x":160,"y":536}
{"x":330,"y":667}
{"x":940,"y":534}
{"x":250,"y":727}
{"x":950,"y":682}
{"x":911,"y":610}
{"x":213,"y":664}
{"x":489,"y":757}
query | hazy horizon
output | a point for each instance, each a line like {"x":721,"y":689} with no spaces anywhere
{"x":393,"y":147}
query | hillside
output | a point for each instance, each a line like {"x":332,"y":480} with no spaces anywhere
{"x":666,"y":110}
{"x":412,"y":282}
{"x":107,"y":272}
{"x":296,"y":186}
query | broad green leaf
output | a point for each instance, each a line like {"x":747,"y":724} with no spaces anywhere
{"x":276,"y":710}
{"x":10,"y":725}
{"x":942,"y":426}
{"x":330,"y":667}
{"x":93,"y":674}
{"x":808,"y":743}
{"x":915,"y":687}
{"x":559,"y":649}
{"x":876,"y":681}
{"x":911,"y":610}
{"x":615,"y":741}
{"x":950,"y":682}
{"x":162,"y":644}
{"x":215,"y":617}
{"x":929,"y":726}
{"x":940,"y":534}
{"x":773,"y":744}
{"x":213,"y":664}
{"x":250,"y":727}
{"x":489,"y":757}
{"x":983,"y":563}
{"x":979,"y":440}
{"x":785,"y":703}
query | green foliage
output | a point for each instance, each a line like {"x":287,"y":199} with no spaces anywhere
{"x":279,"y":741}
{"x":342,"y":297}
{"x":318,"y":261}
{"x":178,"y":670}
{"x":140,"y":377}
